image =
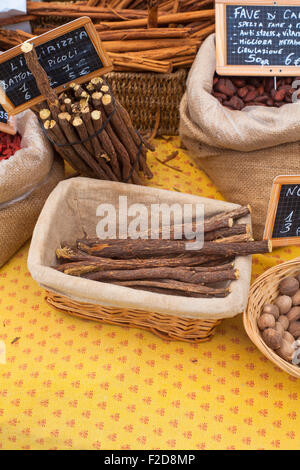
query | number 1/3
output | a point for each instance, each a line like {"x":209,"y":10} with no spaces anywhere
{"x":288,"y":222}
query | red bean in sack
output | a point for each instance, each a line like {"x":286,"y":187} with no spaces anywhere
{"x":238,"y":92}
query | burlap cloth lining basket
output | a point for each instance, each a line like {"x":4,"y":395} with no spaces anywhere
{"x":26,"y":180}
{"x":264,"y":290}
{"x":241,"y":151}
{"x":70,"y":211}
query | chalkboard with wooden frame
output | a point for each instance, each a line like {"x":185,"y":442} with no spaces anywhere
{"x":249,"y":42}
{"x":283,"y":217}
{"x":69,"y":53}
{"x":7,"y":123}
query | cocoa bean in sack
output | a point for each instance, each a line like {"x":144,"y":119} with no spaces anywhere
{"x":241,"y":151}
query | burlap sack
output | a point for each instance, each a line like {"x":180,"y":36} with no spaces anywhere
{"x":241,"y":151}
{"x":26,"y":180}
{"x":71,"y":212}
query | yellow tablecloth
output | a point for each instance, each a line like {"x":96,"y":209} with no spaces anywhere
{"x":74,"y":384}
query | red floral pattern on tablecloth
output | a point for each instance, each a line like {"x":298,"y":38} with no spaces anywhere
{"x":74,"y":384}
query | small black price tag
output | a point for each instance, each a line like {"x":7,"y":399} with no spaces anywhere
{"x":283,"y":218}
{"x":258,"y":38}
{"x":6,"y":122}
{"x":69,"y":53}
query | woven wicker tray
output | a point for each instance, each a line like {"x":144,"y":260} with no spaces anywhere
{"x":70,"y":211}
{"x":165,"y":326}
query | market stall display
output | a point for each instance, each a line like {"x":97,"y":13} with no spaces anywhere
{"x":109,"y":248}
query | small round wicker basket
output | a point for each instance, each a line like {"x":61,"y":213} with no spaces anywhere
{"x":265,"y":290}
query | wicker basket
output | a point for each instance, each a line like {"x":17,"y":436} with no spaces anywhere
{"x":265,"y":290}
{"x":70,"y":212}
{"x":166,"y":327}
{"x":152,"y":99}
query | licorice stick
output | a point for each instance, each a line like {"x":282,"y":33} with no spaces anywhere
{"x":126,"y":249}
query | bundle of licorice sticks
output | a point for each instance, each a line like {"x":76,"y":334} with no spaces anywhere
{"x":89,"y":128}
{"x":79,"y":130}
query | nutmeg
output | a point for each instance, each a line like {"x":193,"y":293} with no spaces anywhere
{"x":272,"y":309}
{"x":288,"y":337}
{"x":294,"y":329}
{"x":284,"y":303}
{"x":289,"y":286}
{"x":296,"y":298}
{"x":279,"y":328}
{"x":286,"y":350}
{"x":284,"y":321}
{"x":272,"y":338}
{"x":294,"y":314}
{"x":266,"y":320}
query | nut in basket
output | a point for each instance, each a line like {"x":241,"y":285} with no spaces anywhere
{"x":271,"y":317}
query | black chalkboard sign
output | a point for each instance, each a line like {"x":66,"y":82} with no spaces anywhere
{"x":287,"y":221}
{"x":258,"y":38}
{"x":7,"y":123}
{"x":3,"y":115}
{"x":263,"y":35}
{"x":283,"y":219}
{"x":69,"y":53}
